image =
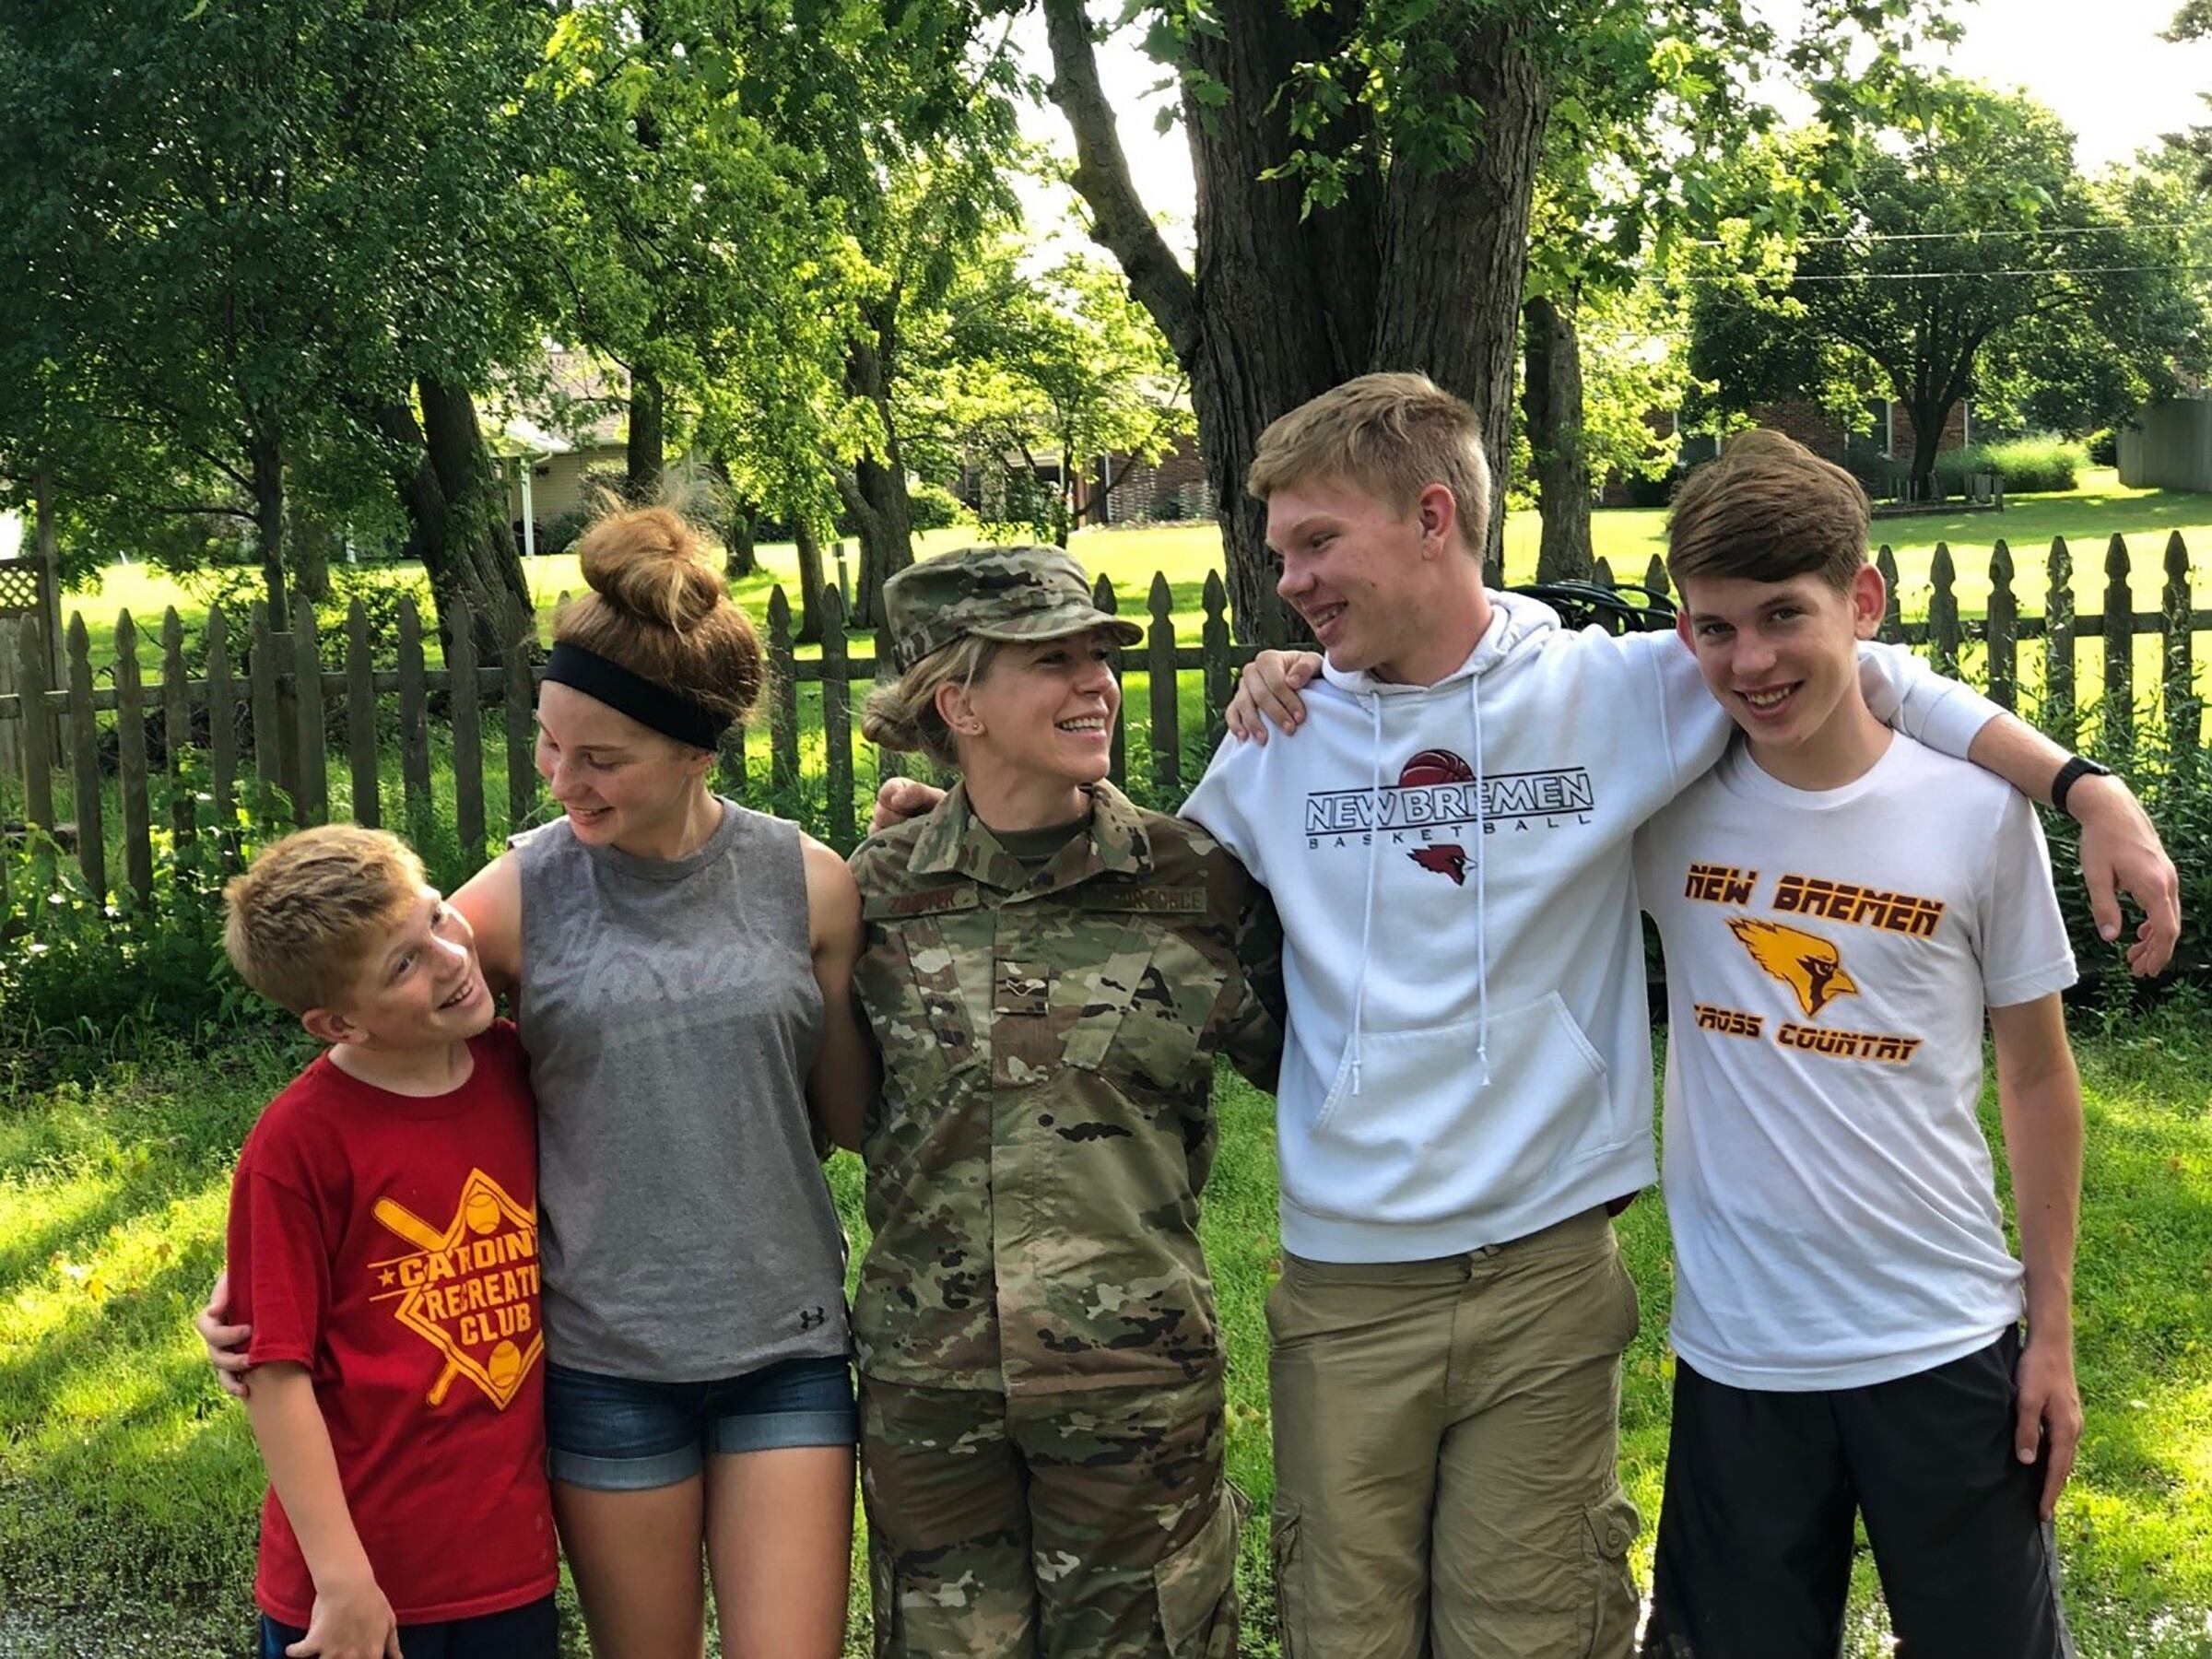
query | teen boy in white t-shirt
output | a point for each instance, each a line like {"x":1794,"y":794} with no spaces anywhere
{"x":1839,"y":906}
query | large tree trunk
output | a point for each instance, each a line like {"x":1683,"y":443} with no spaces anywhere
{"x":739,"y":523}
{"x":1552,"y":402}
{"x":1418,"y":269}
{"x":311,"y":555}
{"x":266,"y":456}
{"x":1284,"y":301}
{"x":456,"y":514}
{"x":740,"y":541}
{"x":1928,"y":417}
{"x":1456,"y":249}
{"x":874,"y":490}
{"x":810,"y":580}
{"x":647,"y":451}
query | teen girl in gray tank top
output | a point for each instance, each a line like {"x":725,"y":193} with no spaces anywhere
{"x":671,"y":1013}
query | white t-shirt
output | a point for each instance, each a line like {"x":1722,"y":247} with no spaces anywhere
{"x":1828,"y":957}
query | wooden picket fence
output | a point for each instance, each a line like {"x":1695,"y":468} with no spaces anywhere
{"x":297,"y":726}
{"x":282,"y":767}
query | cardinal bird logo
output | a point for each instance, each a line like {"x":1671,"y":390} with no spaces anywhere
{"x":1426,"y":770}
{"x":1444,"y":861}
{"x":1810,"y":966}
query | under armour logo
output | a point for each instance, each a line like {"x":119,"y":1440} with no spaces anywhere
{"x":811,"y":1317}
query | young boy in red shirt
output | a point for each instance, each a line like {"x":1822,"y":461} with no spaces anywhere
{"x":383,"y":1248}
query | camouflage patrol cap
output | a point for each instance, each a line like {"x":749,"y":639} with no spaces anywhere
{"x":1007,"y":593}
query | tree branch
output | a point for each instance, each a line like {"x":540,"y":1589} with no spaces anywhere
{"x":1120,"y":223}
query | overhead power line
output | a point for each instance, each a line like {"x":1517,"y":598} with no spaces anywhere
{"x":1932,"y":276}
{"x":1895,"y":235}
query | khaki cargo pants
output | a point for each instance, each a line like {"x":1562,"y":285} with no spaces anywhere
{"x":1082,"y":1525}
{"x":1446,"y":1484}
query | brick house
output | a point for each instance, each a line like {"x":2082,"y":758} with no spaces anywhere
{"x":1886,"y":435}
{"x":1174,"y":486}
{"x":1893,"y":432}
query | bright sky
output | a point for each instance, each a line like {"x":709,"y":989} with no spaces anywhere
{"x":2101,"y":66}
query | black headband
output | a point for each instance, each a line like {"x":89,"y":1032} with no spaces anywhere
{"x":632,"y":694}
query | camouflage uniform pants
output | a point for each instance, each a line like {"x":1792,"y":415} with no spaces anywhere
{"x":1080,"y":1526}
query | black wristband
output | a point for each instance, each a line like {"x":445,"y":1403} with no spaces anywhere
{"x":2076,"y":768}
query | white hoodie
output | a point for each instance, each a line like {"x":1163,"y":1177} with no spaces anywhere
{"x":1469,"y":1053}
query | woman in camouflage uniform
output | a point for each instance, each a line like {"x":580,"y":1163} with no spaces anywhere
{"x":1051,"y":971}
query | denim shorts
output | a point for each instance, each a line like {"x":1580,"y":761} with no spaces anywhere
{"x":621,"y":1435}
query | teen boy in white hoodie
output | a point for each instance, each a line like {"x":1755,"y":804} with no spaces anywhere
{"x":1468,"y":1079}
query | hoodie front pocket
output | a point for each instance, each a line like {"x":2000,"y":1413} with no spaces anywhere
{"x":1426,"y":1135}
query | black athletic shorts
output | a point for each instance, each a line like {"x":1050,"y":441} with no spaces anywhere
{"x":1754,"y":1532}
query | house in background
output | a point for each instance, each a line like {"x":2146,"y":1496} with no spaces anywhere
{"x":1878,"y":452}
{"x":544,"y":451}
{"x":1173,"y":487}
{"x":1888,"y":429}
{"x":1108,"y":490}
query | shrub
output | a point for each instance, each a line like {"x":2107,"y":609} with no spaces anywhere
{"x":1643,"y":490}
{"x":383,"y":595}
{"x":2174,"y":779}
{"x":561,"y":535}
{"x":2044,"y":462}
{"x":933,"y":506}
{"x":1953,"y":467}
{"x":2104,"y":447}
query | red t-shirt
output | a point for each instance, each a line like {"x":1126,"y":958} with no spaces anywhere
{"x":389,"y":1243}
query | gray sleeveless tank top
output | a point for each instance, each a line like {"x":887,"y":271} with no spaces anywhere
{"x":671,"y":1014}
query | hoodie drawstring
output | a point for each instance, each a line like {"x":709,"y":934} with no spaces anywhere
{"x":1482,"y":913}
{"x":1374,"y":856}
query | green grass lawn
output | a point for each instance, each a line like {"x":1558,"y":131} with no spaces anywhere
{"x":1625,"y":538}
{"x":128,"y":1485}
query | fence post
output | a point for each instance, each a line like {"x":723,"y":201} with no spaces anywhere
{"x":1117,"y":765}
{"x":1655,"y":577}
{"x":837,"y":720}
{"x":1159,"y":658}
{"x":2119,"y":649}
{"x":268,"y":740}
{"x":2183,"y":713}
{"x":889,"y":763}
{"x":176,"y":734}
{"x":2058,"y":646}
{"x":38,"y":758}
{"x":222,"y":737}
{"x":1943,"y":612}
{"x":361,"y":716}
{"x":130,"y":762}
{"x":730,"y":769}
{"x":2004,"y":629}
{"x":11,"y":739}
{"x":463,"y":701}
{"x":84,"y":753}
{"x":414,"y":721}
{"x":521,"y":714}
{"x":1217,"y":673}
{"x":314,"y":799}
{"x":1892,"y":628}
{"x":783,"y":711}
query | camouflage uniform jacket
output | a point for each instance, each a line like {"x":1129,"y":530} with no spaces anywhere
{"x":1046,"y":1121}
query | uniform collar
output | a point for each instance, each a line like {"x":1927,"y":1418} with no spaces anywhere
{"x":955,"y":842}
